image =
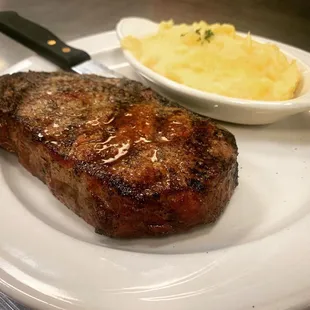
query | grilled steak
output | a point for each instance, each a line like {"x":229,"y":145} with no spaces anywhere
{"x":126,"y":160}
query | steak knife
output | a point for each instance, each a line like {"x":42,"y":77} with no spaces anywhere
{"x":49,"y":46}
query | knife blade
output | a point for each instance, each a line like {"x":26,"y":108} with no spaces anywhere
{"x":49,"y":46}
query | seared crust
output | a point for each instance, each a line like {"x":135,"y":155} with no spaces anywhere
{"x":126,"y":160}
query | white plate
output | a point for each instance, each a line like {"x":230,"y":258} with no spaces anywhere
{"x":258,"y":254}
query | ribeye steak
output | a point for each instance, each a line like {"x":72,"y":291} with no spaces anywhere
{"x":126,"y":160}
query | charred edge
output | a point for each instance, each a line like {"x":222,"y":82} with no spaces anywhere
{"x":125,"y":189}
{"x":236,"y":174}
{"x":196,"y":185}
{"x":228,"y":136}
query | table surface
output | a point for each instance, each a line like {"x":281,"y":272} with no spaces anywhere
{"x":284,"y":20}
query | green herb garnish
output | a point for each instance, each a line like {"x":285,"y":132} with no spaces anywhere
{"x":208,"y":34}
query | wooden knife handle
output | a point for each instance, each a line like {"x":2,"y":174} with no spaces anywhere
{"x":40,"y":40}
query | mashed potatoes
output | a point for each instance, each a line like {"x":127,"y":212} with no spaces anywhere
{"x":213,"y":58}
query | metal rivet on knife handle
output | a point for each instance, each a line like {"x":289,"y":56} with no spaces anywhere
{"x":51,"y":42}
{"x":66,"y":49}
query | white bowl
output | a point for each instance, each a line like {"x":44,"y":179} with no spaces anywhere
{"x":242,"y":111}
